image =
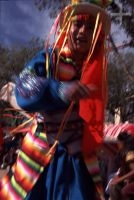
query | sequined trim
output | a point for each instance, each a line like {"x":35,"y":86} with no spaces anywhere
{"x":29,"y":84}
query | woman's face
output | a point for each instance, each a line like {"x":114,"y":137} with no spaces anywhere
{"x":80,"y":35}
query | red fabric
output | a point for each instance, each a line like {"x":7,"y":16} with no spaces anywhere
{"x":130,"y":129}
{"x":92,"y":109}
{"x":112,"y":131}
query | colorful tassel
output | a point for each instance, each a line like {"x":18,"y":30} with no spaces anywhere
{"x":34,"y":155}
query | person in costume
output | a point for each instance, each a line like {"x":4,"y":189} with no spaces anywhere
{"x":117,"y":166}
{"x":66,"y":84}
{"x":125,"y":182}
{"x":127,"y":192}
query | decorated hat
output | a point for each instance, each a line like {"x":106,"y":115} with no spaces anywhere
{"x":91,"y":8}
{"x":130,"y":156}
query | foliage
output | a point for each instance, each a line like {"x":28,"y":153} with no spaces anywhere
{"x":14,"y":59}
{"x":54,"y":6}
{"x":121,"y":90}
{"x":128,"y":7}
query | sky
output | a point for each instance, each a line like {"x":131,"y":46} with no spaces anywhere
{"x":20,"y":21}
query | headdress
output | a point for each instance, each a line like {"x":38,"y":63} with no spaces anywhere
{"x":91,"y":110}
{"x":83,"y":7}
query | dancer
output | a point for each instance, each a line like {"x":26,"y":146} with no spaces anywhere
{"x":66,"y":84}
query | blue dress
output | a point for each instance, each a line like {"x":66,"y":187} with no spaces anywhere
{"x":66,"y":178}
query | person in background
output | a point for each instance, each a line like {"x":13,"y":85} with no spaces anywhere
{"x":66,"y":84}
{"x":115,"y":164}
{"x":127,"y":192}
{"x":127,"y":180}
{"x":119,"y":181}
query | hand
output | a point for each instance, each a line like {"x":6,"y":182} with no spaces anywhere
{"x":7,"y":91}
{"x":81,"y":91}
{"x":7,"y":94}
{"x":114,"y":181}
{"x":76,"y":90}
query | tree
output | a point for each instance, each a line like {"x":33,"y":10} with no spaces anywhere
{"x":121,"y":91}
{"x":128,"y":6}
{"x":54,"y":6}
{"x":12,"y":62}
{"x":15,"y":58}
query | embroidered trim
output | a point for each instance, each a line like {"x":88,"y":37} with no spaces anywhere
{"x":29,"y":84}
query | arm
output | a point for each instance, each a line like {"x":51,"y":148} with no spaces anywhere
{"x":34,"y":92}
{"x":39,"y":94}
{"x":7,"y":94}
{"x":122,"y":178}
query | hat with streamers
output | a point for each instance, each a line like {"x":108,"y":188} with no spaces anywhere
{"x":91,"y":8}
{"x":102,"y":3}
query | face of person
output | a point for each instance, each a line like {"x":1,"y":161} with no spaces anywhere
{"x":80,"y":35}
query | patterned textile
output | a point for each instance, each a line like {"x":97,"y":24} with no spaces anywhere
{"x":112,"y":131}
{"x":29,"y":84}
{"x":66,"y":70}
{"x":32,"y":158}
{"x":92,"y":165}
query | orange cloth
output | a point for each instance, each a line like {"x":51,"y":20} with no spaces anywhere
{"x":92,"y":109}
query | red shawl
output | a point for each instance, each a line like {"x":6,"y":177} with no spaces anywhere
{"x":92,"y":109}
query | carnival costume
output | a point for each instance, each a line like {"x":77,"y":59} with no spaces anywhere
{"x":64,"y":172}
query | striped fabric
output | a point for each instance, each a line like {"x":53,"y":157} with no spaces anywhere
{"x":32,"y":158}
{"x":66,"y":68}
{"x":112,"y":131}
{"x":94,"y":170}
